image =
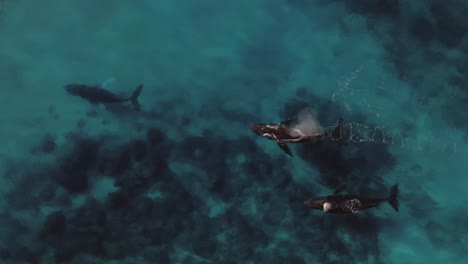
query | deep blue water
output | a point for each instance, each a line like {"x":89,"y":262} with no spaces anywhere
{"x":184,"y":180}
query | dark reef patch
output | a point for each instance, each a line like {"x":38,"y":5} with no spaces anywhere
{"x":46,"y":145}
{"x":377,"y":8}
{"x":139,"y":149}
{"x":422,"y":28}
{"x":450,"y":21}
{"x":117,"y":161}
{"x":47,"y":193}
{"x":75,"y":167}
{"x":54,"y":226}
{"x":155,"y":137}
{"x":84,"y":232}
{"x":241,"y":169}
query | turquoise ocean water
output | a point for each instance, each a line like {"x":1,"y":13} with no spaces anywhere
{"x":184,"y":180}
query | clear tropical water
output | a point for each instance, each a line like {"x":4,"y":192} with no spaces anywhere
{"x":184,"y":180}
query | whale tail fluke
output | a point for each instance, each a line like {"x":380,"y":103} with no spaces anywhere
{"x":393,"y":198}
{"x":134,"y":98}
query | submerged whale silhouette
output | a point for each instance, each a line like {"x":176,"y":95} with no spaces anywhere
{"x":97,"y":95}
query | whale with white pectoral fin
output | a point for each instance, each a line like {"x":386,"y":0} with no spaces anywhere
{"x":339,"y":203}
{"x":300,"y":129}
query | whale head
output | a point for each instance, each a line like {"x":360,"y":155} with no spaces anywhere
{"x":264,"y":130}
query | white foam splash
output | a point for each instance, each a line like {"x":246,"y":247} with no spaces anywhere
{"x":307,"y":124}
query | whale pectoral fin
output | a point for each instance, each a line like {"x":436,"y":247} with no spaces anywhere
{"x":286,"y":149}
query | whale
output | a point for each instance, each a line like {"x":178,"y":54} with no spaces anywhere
{"x":341,"y":203}
{"x":98,"y":95}
{"x":288,"y":131}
